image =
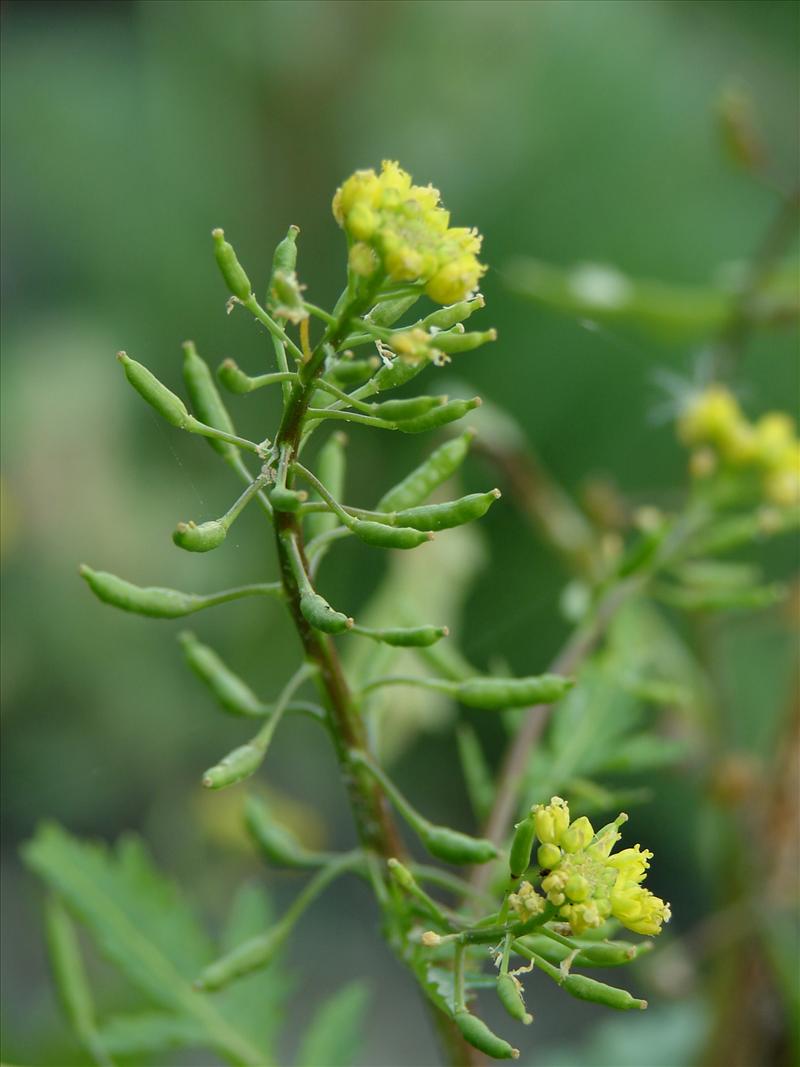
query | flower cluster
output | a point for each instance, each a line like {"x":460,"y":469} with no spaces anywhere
{"x":583,"y":880}
{"x":713,"y":424}
{"x":403,"y":230}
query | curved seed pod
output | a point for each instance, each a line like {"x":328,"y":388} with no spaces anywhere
{"x":389,"y":311}
{"x":234,"y":378}
{"x":200,"y":538}
{"x":406,"y":636}
{"x":430,"y":474}
{"x":331,"y":466}
{"x":165,"y":402}
{"x":478,"y":1034}
{"x":590,"y":954}
{"x":275,"y":841}
{"x":283,"y":499}
{"x":228,"y":689}
{"x":154,"y":601}
{"x":352,"y":371}
{"x":231,"y":269}
{"x":236,"y":766}
{"x":494,"y":694}
{"x":454,"y":847}
{"x":519,"y":856}
{"x":319,"y":614}
{"x":398,"y":410}
{"x":206,"y":401}
{"x":456,"y":341}
{"x":584,"y":988}
{"x":447,"y":317}
{"x":285,"y":257}
{"x":249,"y":956}
{"x":397,"y":373}
{"x":375,"y":533}
{"x":431,"y":420}
{"x":452,"y":513}
{"x":510,"y":997}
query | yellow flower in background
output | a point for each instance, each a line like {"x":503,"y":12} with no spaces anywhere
{"x":586,"y":881}
{"x":408,"y":232}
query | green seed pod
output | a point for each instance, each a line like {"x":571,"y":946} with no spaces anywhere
{"x":401,"y":874}
{"x":230,"y":267}
{"x":511,"y":998}
{"x":477,"y":1033}
{"x":375,"y":533}
{"x":455,"y":847}
{"x":234,"y":378}
{"x":494,"y":694}
{"x":276,"y":842}
{"x":398,"y":410}
{"x":285,"y":257}
{"x":331,"y":467}
{"x":519,"y":856}
{"x":319,"y":614}
{"x":420,"y":483}
{"x":445,"y":516}
{"x":352,"y":371}
{"x":447,"y":317}
{"x":165,"y":402}
{"x":228,"y":689}
{"x":250,"y":956}
{"x":389,"y":311}
{"x":456,"y":341}
{"x":584,"y":988}
{"x":283,"y":499}
{"x":236,"y":766}
{"x":154,"y":601}
{"x":406,"y":636}
{"x":206,"y":401}
{"x":441,"y":416}
{"x":200,"y":538}
{"x":397,"y":373}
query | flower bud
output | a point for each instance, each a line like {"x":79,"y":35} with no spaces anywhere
{"x":578,"y":835}
{"x":200,"y":538}
{"x":230,"y":267}
{"x":551,"y":820}
{"x":548,"y":856}
{"x":577,"y":887}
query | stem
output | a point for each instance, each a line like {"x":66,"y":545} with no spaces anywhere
{"x":374,"y":825}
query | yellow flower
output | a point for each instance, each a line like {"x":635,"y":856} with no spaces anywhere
{"x":409,"y":232}
{"x":586,"y":881}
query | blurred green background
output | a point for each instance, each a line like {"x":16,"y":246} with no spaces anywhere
{"x":562,"y":129}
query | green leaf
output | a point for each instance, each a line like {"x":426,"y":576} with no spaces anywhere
{"x":150,"y":1032}
{"x":141,"y":924}
{"x":334,"y":1037}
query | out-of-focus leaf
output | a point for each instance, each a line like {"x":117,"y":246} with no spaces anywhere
{"x":334,"y":1035}
{"x":601,"y":293}
{"x":150,"y":1032}
{"x":141,"y":924}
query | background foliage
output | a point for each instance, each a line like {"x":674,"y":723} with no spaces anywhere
{"x":569,"y":131}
